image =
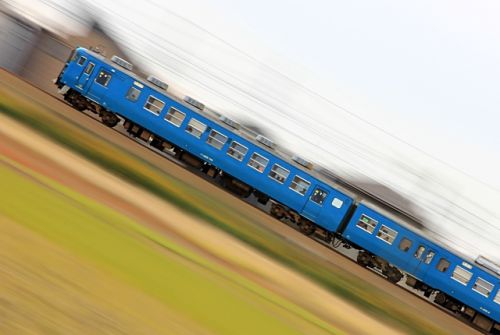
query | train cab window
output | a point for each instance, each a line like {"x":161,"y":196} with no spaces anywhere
{"x":420,"y":251}
{"x":154,"y":105}
{"x":497,"y":297}
{"x":103,"y":78}
{"x":258,"y":162}
{"x":367,"y":223}
{"x":133,"y":94}
{"x":443,"y":265}
{"x":429,"y":257}
{"x":175,"y":117}
{"x":299,"y":185}
{"x":318,"y":196}
{"x":81,"y":60}
{"x":279,"y":173}
{"x":483,"y":287}
{"x":237,"y":151}
{"x":196,"y":128}
{"x":89,"y":68}
{"x":216,"y":139}
{"x":461,"y":275}
{"x":387,"y":234}
{"x":405,"y":244}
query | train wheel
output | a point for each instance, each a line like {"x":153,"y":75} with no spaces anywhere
{"x":363,"y":259}
{"x":307,"y":227}
{"x":440,"y":299}
{"x":394,"y":275}
{"x":109,"y":119}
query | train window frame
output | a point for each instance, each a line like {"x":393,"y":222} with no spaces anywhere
{"x":235,"y":152}
{"x":319,"y":198}
{"x":278,"y":176}
{"x":295,"y":183}
{"x":387,"y":234}
{"x":107,"y":75}
{"x":460,"y":277}
{"x":445,"y":262}
{"x":89,"y":68}
{"x":497,"y":297}
{"x":196,"y":128}
{"x":157,"y":108}
{"x":215,"y":142}
{"x":256,"y":165}
{"x":420,"y":251}
{"x":172,"y":114}
{"x":363,"y":224}
{"x":133,"y":94}
{"x":429,"y":257}
{"x":405,"y":248}
{"x":475,"y":285}
{"x":81,"y":60}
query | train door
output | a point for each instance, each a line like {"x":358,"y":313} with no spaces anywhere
{"x":312,"y":208}
{"x":420,"y":261}
{"x":83,"y":82}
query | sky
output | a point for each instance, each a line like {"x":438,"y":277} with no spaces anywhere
{"x":404,"y":93}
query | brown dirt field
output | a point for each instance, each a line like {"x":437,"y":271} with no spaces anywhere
{"x":65,"y":167}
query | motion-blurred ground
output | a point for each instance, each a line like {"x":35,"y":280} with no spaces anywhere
{"x":84,"y":251}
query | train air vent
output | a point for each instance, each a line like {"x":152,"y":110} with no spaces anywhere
{"x":303,"y":162}
{"x":194,"y":103}
{"x":264,"y":140}
{"x":230,"y":122}
{"x":122,"y":62}
{"x":157,"y":82}
{"x":488,"y":264}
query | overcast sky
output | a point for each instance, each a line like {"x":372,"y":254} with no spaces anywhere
{"x":403,"y":92}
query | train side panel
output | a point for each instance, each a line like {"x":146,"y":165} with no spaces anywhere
{"x":174,"y":120}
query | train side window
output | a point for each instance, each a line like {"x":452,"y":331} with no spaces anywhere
{"x":89,"y":68}
{"x":133,"y":94}
{"x":196,"y":128}
{"x":318,"y":196}
{"x":279,"y":173}
{"x":103,"y":78}
{"x":387,"y":234}
{"x":461,"y":275}
{"x":429,"y":257}
{"x":258,"y":162}
{"x":216,"y":139}
{"x":405,"y":244}
{"x":443,"y":265}
{"x":497,"y":297}
{"x":154,"y":105}
{"x":81,"y":60}
{"x":419,"y":252}
{"x":367,"y":223}
{"x":483,"y":287}
{"x":175,"y":117}
{"x":237,"y":151}
{"x":299,"y":185}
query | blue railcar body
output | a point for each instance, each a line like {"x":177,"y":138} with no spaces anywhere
{"x":329,"y":214}
{"x":322,"y":202}
{"x":424,"y":259}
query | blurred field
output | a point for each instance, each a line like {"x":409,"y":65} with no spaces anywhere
{"x":98,"y":249}
{"x":317,"y":313}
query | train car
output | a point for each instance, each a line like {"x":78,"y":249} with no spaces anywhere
{"x":388,"y":243}
{"x":251,"y":164}
{"x":248,"y":163}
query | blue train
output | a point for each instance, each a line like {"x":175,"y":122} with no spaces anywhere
{"x":248,"y":163}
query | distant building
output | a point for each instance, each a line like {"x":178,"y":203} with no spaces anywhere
{"x":37,"y":54}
